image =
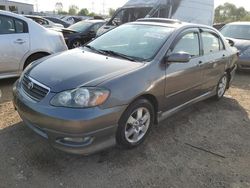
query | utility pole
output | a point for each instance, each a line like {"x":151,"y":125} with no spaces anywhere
{"x":93,"y":6}
{"x":103,"y":7}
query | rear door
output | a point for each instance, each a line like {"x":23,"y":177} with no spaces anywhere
{"x":215,"y":59}
{"x":183,"y":80}
{"x":14,"y":43}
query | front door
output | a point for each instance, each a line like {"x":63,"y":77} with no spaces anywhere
{"x":14,"y":44}
{"x":183,"y":80}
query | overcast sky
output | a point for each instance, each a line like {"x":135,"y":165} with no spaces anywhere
{"x":97,"y":5}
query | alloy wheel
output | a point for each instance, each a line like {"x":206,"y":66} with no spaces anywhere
{"x":137,"y":125}
{"x":222,"y":86}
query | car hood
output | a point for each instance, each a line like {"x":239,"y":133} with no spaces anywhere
{"x":78,"y":67}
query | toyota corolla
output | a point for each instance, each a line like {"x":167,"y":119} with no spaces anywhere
{"x":113,"y":90}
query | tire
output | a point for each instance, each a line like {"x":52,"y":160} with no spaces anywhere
{"x":221,"y":87}
{"x":132,"y":130}
{"x":75,"y":44}
{"x":34,"y":57}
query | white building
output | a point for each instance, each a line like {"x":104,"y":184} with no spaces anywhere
{"x":20,"y":8}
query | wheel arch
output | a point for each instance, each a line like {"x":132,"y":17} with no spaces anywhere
{"x":228,"y":72}
{"x":153,"y":100}
{"x":43,"y":53}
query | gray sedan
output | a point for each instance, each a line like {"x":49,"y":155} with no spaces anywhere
{"x":113,"y":90}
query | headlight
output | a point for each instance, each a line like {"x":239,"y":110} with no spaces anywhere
{"x":80,"y":98}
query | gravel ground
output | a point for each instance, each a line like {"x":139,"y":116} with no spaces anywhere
{"x":206,"y":145}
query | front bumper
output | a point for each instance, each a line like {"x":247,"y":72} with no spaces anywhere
{"x":95,"y":126}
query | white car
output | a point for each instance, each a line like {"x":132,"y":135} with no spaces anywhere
{"x":23,"y":41}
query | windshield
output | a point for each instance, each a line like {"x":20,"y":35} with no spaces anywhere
{"x":237,"y":31}
{"x":129,"y":15}
{"x":80,"y":26}
{"x":140,"y":42}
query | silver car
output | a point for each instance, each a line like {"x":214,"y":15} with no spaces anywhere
{"x":113,"y":90}
{"x":23,"y":41}
{"x":239,"y":35}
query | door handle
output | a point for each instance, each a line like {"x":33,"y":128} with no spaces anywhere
{"x":19,"y":41}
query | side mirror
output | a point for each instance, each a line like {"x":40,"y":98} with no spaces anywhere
{"x":231,"y":42}
{"x":178,"y":58}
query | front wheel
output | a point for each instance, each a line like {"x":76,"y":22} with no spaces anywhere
{"x":221,"y":87}
{"x":135,"y":124}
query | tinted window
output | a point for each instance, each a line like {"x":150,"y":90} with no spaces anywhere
{"x":141,"y":42}
{"x":6,"y":25}
{"x":211,"y":43}
{"x":10,"y":25}
{"x":236,"y":31}
{"x":189,"y":43}
{"x":80,"y":26}
{"x":2,"y":7}
{"x":20,"y":28}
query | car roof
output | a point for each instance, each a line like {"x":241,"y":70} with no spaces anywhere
{"x":22,"y":17}
{"x":170,"y":23}
{"x":33,"y":16}
{"x":239,"y":23}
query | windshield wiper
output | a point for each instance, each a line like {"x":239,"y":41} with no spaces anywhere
{"x":113,"y":53}
{"x":94,"y":49}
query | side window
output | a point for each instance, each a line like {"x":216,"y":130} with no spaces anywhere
{"x":42,"y":21}
{"x":2,"y":7}
{"x":188,"y":43}
{"x":6,"y":25}
{"x":20,"y":28}
{"x":10,"y":25}
{"x":211,"y":43}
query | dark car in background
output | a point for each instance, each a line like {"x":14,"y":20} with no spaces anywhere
{"x":81,"y":32}
{"x":58,"y":21}
{"x":239,"y":34}
{"x":113,"y":90}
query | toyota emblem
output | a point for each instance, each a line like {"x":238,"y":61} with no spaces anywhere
{"x":30,"y":85}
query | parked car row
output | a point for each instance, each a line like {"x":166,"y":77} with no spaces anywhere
{"x":24,"y":41}
{"x":75,"y":35}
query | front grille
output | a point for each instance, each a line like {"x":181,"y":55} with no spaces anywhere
{"x":34,"y":89}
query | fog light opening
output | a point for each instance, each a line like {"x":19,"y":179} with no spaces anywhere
{"x":75,"y":140}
